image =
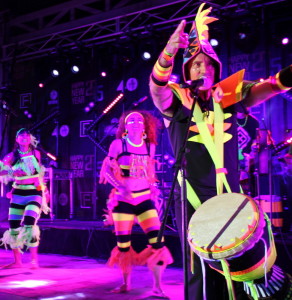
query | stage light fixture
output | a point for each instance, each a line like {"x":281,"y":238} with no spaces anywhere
{"x":28,"y":114}
{"x":87,"y":109}
{"x":74,"y":69}
{"x":285,"y":41}
{"x":41,"y":85}
{"x":113,"y":103}
{"x":146,"y":55}
{"x":214,"y":42}
{"x":103,"y":74}
{"x":55,"y":73}
{"x":241,"y":35}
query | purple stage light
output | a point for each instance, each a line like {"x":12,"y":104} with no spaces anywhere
{"x":41,"y":85}
{"x":91,"y":104}
{"x":87,"y":109}
{"x":285,"y":41}
{"x":103,"y":74}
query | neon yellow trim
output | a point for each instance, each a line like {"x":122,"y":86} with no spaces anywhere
{"x":192,"y":196}
{"x":218,"y":139}
{"x":122,"y":217}
{"x":226,"y":273}
{"x":209,"y":143}
{"x":124,"y":245}
{"x":162,"y":69}
{"x":154,"y":240}
{"x":151,"y":213}
{"x":279,"y":84}
{"x":163,"y":74}
{"x":254,"y":293}
{"x":125,"y":167}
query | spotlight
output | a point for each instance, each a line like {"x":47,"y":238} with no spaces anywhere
{"x":41,"y":85}
{"x":241,"y":35}
{"x":91,"y":104}
{"x":214,"y":42}
{"x":86,"y":108}
{"x":261,"y":80}
{"x":285,"y":41}
{"x":171,"y":162}
{"x":146,"y":55}
{"x":103,"y":74}
{"x":55,"y":73}
{"x":75,"y":69}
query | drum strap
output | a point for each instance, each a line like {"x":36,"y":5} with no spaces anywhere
{"x":226,"y":272}
{"x":252,"y":290}
{"x":215,"y":147}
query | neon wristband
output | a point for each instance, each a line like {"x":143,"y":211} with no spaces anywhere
{"x":166,"y":55}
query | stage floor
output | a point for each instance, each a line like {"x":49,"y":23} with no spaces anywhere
{"x":72,"y":278}
{"x":73,"y":257}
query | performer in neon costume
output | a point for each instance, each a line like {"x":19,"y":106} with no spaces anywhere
{"x":211,"y":159}
{"x":130,"y":169}
{"x":29,"y":196}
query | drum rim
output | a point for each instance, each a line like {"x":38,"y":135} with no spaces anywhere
{"x":237,"y":248}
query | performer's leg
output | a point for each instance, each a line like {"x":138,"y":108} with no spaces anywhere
{"x":10,"y":237}
{"x":31,"y":232}
{"x":123,"y":255}
{"x":158,"y":255}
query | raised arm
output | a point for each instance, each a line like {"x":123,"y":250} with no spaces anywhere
{"x":161,"y":93}
{"x":274,"y":85}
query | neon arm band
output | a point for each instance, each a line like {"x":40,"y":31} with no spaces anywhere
{"x":161,"y":75}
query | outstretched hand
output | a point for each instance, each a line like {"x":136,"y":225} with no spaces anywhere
{"x":179,"y":39}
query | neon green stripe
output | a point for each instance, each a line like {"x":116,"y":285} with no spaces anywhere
{"x":16,"y":211}
{"x":33,"y":208}
{"x":24,"y":186}
{"x":27,"y":177}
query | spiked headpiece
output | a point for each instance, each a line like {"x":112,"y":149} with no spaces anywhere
{"x":199,"y":42}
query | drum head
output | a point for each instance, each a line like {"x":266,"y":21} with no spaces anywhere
{"x":225,"y":225}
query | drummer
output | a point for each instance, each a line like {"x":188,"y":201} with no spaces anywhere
{"x":211,"y":156}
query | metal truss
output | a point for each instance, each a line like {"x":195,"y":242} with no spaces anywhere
{"x":95,"y":22}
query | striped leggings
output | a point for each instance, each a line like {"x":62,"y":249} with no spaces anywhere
{"x":25,"y":208}
{"x":124,"y":214}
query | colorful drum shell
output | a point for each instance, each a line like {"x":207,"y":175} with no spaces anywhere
{"x":276,"y":207}
{"x":232,"y":227}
